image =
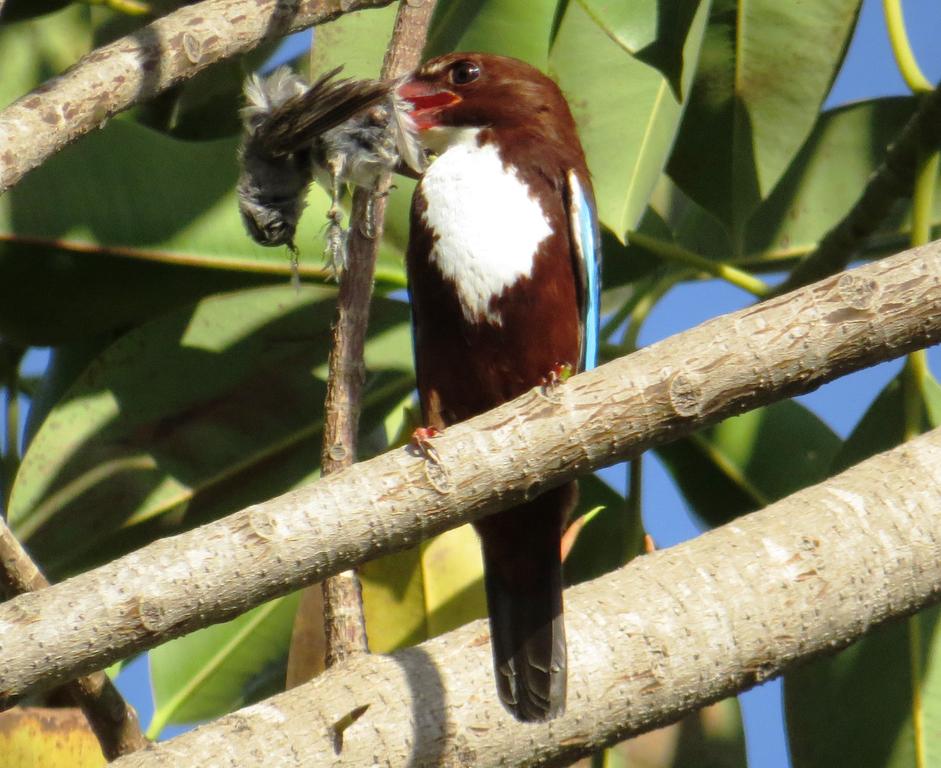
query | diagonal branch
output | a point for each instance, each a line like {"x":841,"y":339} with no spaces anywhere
{"x":670,"y":632}
{"x":113,"y":720}
{"x":142,"y":64}
{"x":344,"y":625}
{"x":782,"y":347}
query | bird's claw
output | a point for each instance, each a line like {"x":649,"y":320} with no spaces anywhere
{"x":421,"y":438}
{"x":558,"y":374}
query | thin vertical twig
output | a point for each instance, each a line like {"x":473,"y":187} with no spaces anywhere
{"x":344,"y":625}
{"x":112,"y":719}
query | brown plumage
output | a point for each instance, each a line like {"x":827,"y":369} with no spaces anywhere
{"x":466,"y":366}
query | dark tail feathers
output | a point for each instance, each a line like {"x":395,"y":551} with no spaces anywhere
{"x":523,"y":579}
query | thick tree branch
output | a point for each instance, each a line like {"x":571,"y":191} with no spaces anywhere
{"x":782,"y":347}
{"x":671,"y":632}
{"x":141,"y":65}
{"x":112,"y":719}
{"x":893,"y":179}
{"x":344,"y":624}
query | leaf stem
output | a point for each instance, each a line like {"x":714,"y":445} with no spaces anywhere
{"x":902,"y":49}
{"x":678,"y":254}
{"x":923,"y":202}
{"x":915,"y":374}
{"x":643,"y":308}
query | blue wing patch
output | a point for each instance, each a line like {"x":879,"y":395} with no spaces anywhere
{"x":586,"y":239}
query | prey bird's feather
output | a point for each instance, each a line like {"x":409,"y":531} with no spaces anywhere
{"x":337,"y":130}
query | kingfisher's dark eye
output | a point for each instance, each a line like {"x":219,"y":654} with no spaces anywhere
{"x":463,"y":72}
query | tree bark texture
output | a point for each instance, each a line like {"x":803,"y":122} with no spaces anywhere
{"x":730,"y":364}
{"x":670,"y":632}
{"x":139,"y":66}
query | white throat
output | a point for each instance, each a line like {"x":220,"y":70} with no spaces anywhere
{"x":488,"y":227}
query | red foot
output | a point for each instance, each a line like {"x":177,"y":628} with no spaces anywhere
{"x":559,"y":373}
{"x":421,"y":440}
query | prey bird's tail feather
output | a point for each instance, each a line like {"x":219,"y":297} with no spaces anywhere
{"x":327,"y":103}
{"x":523,"y":580}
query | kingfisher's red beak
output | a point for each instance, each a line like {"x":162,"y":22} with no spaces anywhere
{"x":427,"y":102}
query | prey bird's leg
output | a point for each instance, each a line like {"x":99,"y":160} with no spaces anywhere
{"x":368,"y":226}
{"x":295,"y":267}
{"x":335,"y":250}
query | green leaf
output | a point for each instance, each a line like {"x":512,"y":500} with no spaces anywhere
{"x":518,"y":28}
{"x":626,"y":112}
{"x":652,"y":30}
{"x":132,"y":192}
{"x":825,"y":179}
{"x":223,"y":667}
{"x":52,"y":296}
{"x":857,"y":708}
{"x":19,"y":10}
{"x":766,"y":68}
{"x":355,"y":41}
{"x":35,"y":49}
{"x":193,"y":415}
{"x":734,"y":467}
{"x":424,"y":591}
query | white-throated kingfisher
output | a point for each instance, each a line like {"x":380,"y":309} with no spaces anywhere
{"x":503,"y":271}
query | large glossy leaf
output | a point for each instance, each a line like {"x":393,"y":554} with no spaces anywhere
{"x":34,"y":51}
{"x":133,"y":192}
{"x":860,"y":707}
{"x":51,"y":297}
{"x":652,"y":30}
{"x":424,"y":591}
{"x":41,"y":737}
{"x":355,"y":41}
{"x":518,"y":28}
{"x":766,"y":68}
{"x":193,"y":415}
{"x":626,"y":110}
{"x":220,"y":668}
{"x":735,"y":467}
{"x":826,"y":178}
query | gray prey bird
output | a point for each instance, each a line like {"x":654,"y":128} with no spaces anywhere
{"x":335,"y":130}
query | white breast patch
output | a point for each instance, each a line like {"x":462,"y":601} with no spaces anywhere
{"x":487,"y":224}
